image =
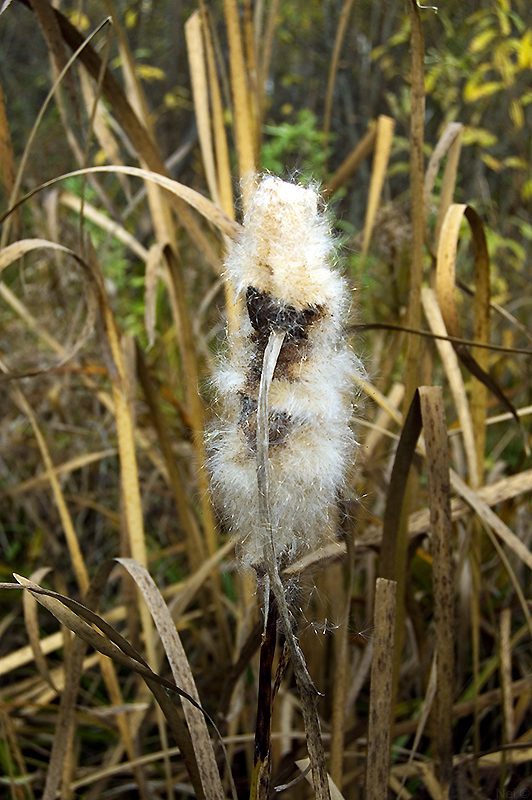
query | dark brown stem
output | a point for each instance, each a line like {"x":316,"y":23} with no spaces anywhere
{"x":264,"y":703}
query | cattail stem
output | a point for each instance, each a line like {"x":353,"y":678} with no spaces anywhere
{"x":262,"y":757}
{"x":306,"y":688}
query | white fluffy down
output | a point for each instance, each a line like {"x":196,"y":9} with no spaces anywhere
{"x":285,"y":250}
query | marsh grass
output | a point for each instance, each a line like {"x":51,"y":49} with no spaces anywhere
{"x":106,"y":514}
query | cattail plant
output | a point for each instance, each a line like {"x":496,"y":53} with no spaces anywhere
{"x":281,"y":273}
{"x":280,"y":455}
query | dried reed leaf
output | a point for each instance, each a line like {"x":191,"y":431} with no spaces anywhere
{"x":304,"y":765}
{"x":350,"y":165}
{"x":266,"y":40}
{"x":135,"y":130}
{"x":505,"y":656}
{"x":333,"y":70}
{"x":381,"y":156}
{"x":200,"y":94}
{"x":393,"y":545}
{"x":417,"y":121}
{"x":454,"y":378}
{"x":194,"y":403}
{"x":47,"y":22}
{"x":195,"y":546}
{"x":445,"y":286}
{"x":32,"y":628}
{"x":69,"y":466}
{"x":492,"y":494}
{"x":494,"y":522}
{"x":223,"y":166}
{"x":81,"y":573}
{"x":183,"y":677}
{"x":8,"y":168}
{"x":204,"y":206}
{"x":380,"y":710}
{"x":100,"y":219}
{"x":15,"y":251}
{"x":183,"y":594}
{"x":306,"y":689}
{"x":80,"y":619}
{"x":129,"y":476}
{"x":449,"y":135}
{"x":241,"y":100}
{"x":382,"y":421}
{"x":435,"y":435}
{"x":449,"y":181}
{"x":80,"y":47}
{"x":151,"y":282}
{"x":74,"y":549}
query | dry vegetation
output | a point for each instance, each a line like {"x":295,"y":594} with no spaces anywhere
{"x":415,"y":623}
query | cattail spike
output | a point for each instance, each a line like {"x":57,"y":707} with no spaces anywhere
{"x":281,"y":269}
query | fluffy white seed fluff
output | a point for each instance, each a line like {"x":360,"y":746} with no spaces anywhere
{"x":281,"y":269}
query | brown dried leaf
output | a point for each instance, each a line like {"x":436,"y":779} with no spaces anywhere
{"x":380,"y":710}
{"x":435,"y":435}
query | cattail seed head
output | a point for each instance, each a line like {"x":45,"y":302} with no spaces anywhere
{"x":281,"y":269}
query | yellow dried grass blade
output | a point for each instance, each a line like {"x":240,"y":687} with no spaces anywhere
{"x":491,"y":519}
{"x":449,"y":181}
{"x":31,"y":621}
{"x":194,"y":403}
{"x":381,"y":156}
{"x":198,"y":77}
{"x":126,"y":444}
{"x":454,"y":377}
{"x":74,"y":549}
{"x":223,"y":166}
{"x":241,"y":103}
{"x":195,"y":547}
{"x":451,"y":132}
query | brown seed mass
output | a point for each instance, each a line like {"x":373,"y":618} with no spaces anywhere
{"x":268,"y":314}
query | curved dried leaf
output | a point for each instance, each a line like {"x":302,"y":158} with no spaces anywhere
{"x":445,"y":287}
{"x":15,"y":251}
{"x":32,"y":628}
{"x":182,"y":675}
{"x":205,"y":207}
